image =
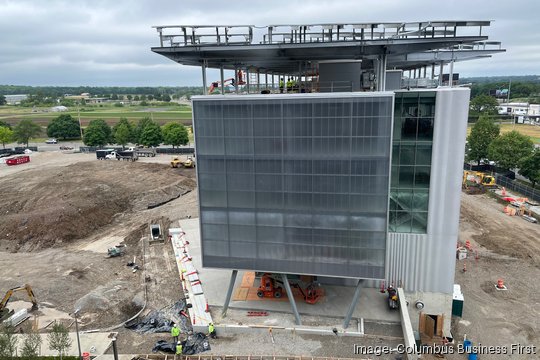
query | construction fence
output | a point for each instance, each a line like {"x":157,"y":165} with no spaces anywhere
{"x":177,"y":150}
{"x":512,"y":185}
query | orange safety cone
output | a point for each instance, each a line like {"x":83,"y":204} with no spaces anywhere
{"x":193,"y":322}
{"x":207,"y":307}
{"x":504,"y":191}
{"x":464,"y":267}
{"x":500,"y":284}
{"x":468,"y":245}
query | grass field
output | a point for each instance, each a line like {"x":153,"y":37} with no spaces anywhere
{"x":533,"y":131}
{"x":111,"y":114}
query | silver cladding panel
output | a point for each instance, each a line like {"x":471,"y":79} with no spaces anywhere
{"x":426,"y":262}
{"x":296,"y":183}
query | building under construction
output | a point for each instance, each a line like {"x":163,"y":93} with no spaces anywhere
{"x":334,"y":150}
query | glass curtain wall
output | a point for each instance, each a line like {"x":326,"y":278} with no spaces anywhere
{"x":294,"y":184}
{"x":411,"y":161}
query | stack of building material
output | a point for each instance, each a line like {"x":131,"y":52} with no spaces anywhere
{"x":198,"y":312}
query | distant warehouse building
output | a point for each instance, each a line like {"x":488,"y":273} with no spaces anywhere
{"x":15,"y":99}
{"x":333,"y":165}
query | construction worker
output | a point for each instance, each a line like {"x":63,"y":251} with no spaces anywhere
{"x":212,"y":331}
{"x":289,"y":84}
{"x":179,"y":348}
{"x":281,"y":85}
{"x":175,"y":332}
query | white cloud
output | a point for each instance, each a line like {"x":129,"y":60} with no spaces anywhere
{"x":100,"y":42}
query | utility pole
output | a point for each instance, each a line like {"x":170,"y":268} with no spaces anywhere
{"x":79,"y":116}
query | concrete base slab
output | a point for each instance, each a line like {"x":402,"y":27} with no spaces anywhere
{"x":371,"y":306}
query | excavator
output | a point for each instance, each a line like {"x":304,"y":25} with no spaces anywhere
{"x":216,"y":84}
{"x":4,"y":312}
{"x":476,"y":182}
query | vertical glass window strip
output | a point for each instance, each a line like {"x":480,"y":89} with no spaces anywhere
{"x":411,"y":161}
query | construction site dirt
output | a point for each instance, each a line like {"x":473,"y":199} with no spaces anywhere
{"x":61,"y":212}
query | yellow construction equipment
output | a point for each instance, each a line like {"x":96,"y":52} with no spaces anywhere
{"x":188,"y":163}
{"x":479,"y":178}
{"x":175,"y":162}
{"x":3,"y":305}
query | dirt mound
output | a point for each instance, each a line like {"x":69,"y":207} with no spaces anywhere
{"x":43,"y":207}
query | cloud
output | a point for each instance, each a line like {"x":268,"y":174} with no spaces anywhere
{"x":101,"y":42}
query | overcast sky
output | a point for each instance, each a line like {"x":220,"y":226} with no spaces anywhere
{"x":107,"y":42}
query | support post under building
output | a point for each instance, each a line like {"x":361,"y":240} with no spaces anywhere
{"x":229,"y":292}
{"x":354,"y":301}
{"x":291,"y":298}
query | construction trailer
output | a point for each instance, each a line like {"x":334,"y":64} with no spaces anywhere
{"x":354,"y":173}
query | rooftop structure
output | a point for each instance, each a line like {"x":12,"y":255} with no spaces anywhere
{"x":298,"y":49}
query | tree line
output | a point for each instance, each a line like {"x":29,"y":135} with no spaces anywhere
{"x":98,"y":133}
{"x":510,"y":151}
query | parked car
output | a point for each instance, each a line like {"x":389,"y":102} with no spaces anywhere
{"x":51,"y":141}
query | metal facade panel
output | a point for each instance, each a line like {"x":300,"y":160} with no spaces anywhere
{"x":426,"y":262}
{"x":295,"y":184}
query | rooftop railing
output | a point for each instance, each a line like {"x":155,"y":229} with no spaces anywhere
{"x":224,"y":35}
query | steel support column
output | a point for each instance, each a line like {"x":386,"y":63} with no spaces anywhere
{"x":203,"y":67}
{"x":451,"y":74}
{"x":291,"y":298}
{"x":441,"y":69}
{"x":222,"y":76}
{"x":354,"y":301}
{"x":229,"y":293}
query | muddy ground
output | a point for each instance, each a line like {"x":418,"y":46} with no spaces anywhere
{"x":61,"y":212}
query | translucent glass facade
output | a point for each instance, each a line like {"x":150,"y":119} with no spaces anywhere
{"x":295,"y":184}
{"x":411,"y":161}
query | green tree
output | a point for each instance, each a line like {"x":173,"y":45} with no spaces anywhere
{"x":483,"y":132}
{"x":484,"y":104}
{"x":98,"y":133}
{"x":114,"y":97}
{"x":129,"y":97}
{"x":530,"y":167}
{"x":64,"y":127}
{"x":141,"y":124}
{"x":122,"y":132}
{"x":5,"y":124}
{"x":175,"y":134}
{"x":6,"y":135}
{"x":151,"y":135}
{"x":136,"y":98}
{"x":3,"y":100}
{"x":8,"y":341}
{"x":31,"y":342}
{"x":508,"y":149}
{"x":166,"y":98}
{"x":25,"y":130}
{"x":59,"y":339}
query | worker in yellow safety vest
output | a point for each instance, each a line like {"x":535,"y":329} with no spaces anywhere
{"x":212,"y":331}
{"x":175,"y":332}
{"x":179,"y":348}
{"x":289,"y":85}
{"x":281,"y":85}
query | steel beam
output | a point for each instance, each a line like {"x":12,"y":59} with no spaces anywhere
{"x":291,"y":298}
{"x":229,"y":293}
{"x":354,"y":301}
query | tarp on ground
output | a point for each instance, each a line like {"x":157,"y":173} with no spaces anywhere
{"x":161,"y":321}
